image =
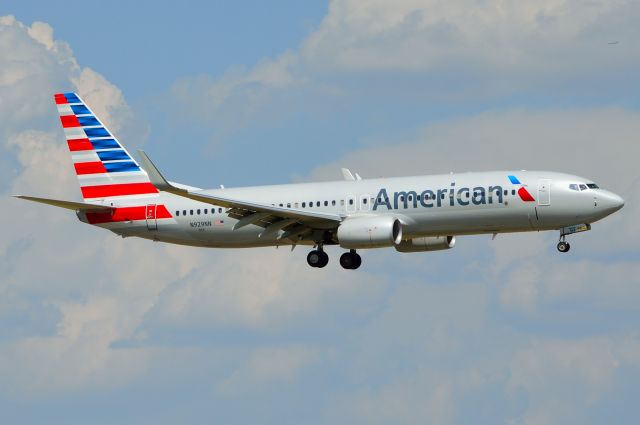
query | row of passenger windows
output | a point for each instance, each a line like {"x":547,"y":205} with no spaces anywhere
{"x":365,"y":201}
{"x":582,"y":186}
{"x":199,"y":211}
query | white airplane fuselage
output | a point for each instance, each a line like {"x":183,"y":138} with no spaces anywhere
{"x":496,"y":207}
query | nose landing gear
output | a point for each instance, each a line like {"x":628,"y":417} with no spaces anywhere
{"x":563,"y":246}
{"x":350,"y":260}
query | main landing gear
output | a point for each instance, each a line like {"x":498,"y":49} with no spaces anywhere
{"x":349,"y":260}
{"x":317,"y":258}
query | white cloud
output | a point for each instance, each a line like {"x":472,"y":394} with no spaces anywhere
{"x":563,"y":380}
{"x":447,"y":51}
{"x":494,"y":35}
{"x":268,"y":366}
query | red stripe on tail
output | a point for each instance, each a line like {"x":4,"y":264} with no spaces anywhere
{"x":69,"y":121}
{"x":108,"y":190}
{"x":60,"y":99}
{"x":89,"y":168}
{"x":79,"y":145}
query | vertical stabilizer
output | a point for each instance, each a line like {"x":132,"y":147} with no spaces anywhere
{"x":105,"y":170}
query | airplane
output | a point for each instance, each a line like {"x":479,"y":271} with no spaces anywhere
{"x":410,"y":214}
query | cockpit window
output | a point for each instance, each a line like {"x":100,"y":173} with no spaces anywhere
{"x":583,"y":187}
{"x":573,"y":187}
{"x":592,"y":186}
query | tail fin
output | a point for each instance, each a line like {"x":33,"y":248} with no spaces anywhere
{"x":104,"y":168}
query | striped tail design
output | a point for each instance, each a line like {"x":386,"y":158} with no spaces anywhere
{"x":104,"y":168}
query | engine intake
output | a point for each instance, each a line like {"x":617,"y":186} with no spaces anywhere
{"x":433,"y":243}
{"x":370,"y":232}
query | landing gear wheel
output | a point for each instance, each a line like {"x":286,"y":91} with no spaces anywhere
{"x":317,"y":258}
{"x":350,"y":260}
{"x":563,"y":246}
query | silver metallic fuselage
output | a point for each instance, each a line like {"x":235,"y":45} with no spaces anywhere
{"x":554,"y":206}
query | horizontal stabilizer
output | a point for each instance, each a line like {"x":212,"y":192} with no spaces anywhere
{"x":70,"y":205}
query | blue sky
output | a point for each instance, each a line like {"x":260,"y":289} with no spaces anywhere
{"x":98,"y":329}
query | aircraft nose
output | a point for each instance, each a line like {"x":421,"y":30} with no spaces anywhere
{"x":612,"y":202}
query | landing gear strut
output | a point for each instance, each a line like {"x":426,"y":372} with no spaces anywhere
{"x":350,"y":260}
{"x":317,"y":258}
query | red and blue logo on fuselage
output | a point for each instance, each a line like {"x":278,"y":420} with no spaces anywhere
{"x":522,"y":192}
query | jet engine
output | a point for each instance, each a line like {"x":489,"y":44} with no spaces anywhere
{"x":433,"y":243}
{"x":369,"y":232}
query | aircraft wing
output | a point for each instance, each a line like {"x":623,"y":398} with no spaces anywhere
{"x":246,"y":211}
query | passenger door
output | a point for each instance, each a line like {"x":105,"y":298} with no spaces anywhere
{"x":544,"y":192}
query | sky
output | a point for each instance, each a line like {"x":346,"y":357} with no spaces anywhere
{"x":96,"y":328}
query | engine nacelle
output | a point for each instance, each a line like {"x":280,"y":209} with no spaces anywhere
{"x":433,"y":243}
{"x":369,"y":232}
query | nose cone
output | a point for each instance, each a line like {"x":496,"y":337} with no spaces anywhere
{"x":611,"y":202}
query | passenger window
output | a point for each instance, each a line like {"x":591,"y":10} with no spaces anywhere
{"x":206,"y":211}
{"x":184,"y":212}
{"x":326,"y":203}
{"x":318,"y":204}
{"x":190,"y":212}
{"x":220,"y":210}
{"x":342,"y":202}
{"x":513,"y":192}
{"x":506,"y":192}
{"x":288,"y":204}
{"x":350,"y":201}
{"x":364,"y":201}
{"x":304,"y":205}
{"x":198,"y":211}
{"x":281,"y":205}
{"x":333,"y":203}
{"x":583,"y":187}
{"x":177,"y":213}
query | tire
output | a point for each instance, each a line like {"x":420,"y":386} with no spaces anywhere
{"x":314,"y":258}
{"x":563,"y":247}
{"x":347,"y":261}
{"x":324,"y":259}
{"x":350,"y":260}
{"x":358,"y":261}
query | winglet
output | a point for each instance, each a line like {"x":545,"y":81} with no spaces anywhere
{"x":157,"y":179}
